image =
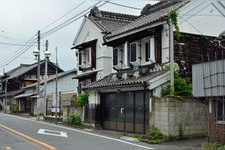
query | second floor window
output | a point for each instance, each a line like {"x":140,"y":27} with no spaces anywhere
{"x":85,"y":58}
{"x":147,"y":50}
{"x":115,"y":56}
{"x":80,"y":58}
{"x":133,"y":52}
{"x":118,"y":57}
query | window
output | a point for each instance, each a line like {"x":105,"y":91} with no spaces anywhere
{"x":133,"y":52}
{"x":85,"y":58}
{"x":80,"y":58}
{"x":220,"y":110}
{"x":88,"y":55}
{"x":118,"y":57}
{"x":115,"y":56}
{"x":147,"y":51}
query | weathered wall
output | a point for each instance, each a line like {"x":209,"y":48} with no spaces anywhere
{"x":216,"y":128}
{"x":169,"y":114}
{"x":76,"y":110}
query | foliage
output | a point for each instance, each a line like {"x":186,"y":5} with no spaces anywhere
{"x":154,"y":133}
{"x":74,"y":119}
{"x":182,"y":87}
{"x":213,"y":146}
{"x":153,"y":136}
{"x":81,"y":100}
{"x":15,"y":107}
{"x":173,"y":18}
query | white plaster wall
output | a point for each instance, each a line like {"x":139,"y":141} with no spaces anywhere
{"x":202,"y":17}
{"x":89,"y":31}
{"x":94,"y":97}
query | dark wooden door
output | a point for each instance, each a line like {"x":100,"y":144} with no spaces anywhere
{"x":126,"y":111}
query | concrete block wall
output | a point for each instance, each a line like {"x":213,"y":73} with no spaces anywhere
{"x":73,"y":109}
{"x":170,"y":114}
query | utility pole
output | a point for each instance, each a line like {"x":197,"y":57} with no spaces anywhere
{"x":38,"y":78}
{"x":46,"y":76}
{"x":5,"y":102}
{"x":171,"y":56}
{"x":56,"y":86}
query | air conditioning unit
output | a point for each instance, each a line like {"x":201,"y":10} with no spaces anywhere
{"x":135,"y":55}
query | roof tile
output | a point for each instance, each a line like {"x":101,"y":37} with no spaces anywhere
{"x":108,"y":81}
{"x":156,"y":13}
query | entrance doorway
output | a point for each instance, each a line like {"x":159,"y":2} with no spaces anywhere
{"x":125,"y":111}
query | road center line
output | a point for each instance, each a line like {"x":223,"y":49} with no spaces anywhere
{"x":27,"y":137}
{"x":84,"y":132}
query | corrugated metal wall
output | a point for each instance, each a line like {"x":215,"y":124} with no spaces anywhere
{"x":208,"y":79}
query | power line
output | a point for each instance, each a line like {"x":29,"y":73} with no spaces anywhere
{"x":71,"y":20}
{"x":15,"y":44}
{"x":18,"y":52}
{"x":63,"y":15}
{"x":31,"y":41}
{"x":124,"y":5}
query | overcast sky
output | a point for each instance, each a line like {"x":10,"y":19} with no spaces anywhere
{"x":21,"y":19}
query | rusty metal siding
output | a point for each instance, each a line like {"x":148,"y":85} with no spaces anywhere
{"x":208,"y":79}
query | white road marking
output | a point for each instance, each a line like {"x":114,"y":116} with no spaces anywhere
{"x":52,"y":132}
{"x":84,"y":132}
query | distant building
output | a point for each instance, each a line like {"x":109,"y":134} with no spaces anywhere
{"x":13,"y":81}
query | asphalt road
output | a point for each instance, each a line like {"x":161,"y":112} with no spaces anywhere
{"x":18,"y":133}
{"x":75,"y":140}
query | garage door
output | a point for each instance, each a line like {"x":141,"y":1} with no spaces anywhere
{"x":125,"y":111}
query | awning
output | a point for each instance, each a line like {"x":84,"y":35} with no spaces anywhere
{"x":84,"y":45}
{"x":25,"y":95}
{"x":85,"y":74}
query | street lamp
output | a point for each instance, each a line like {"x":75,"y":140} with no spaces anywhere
{"x":47,"y":55}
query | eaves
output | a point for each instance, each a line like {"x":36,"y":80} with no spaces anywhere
{"x":136,"y":30}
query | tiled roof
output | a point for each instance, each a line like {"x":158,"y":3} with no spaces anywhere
{"x":18,"y":70}
{"x":23,"y":69}
{"x":110,"y":82}
{"x":110,"y":21}
{"x":157,"y":12}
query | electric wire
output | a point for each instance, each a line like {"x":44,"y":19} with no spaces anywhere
{"x":121,"y":5}
{"x":15,"y":44}
{"x":69,"y":21}
{"x":63,"y":15}
{"x":31,"y":41}
{"x":18,"y":52}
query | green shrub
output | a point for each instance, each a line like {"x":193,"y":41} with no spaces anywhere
{"x":81,"y":100}
{"x":154,"y":133}
{"x":213,"y":146}
{"x":182,"y":87}
{"x":15,"y":107}
{"x":74,"y":119}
